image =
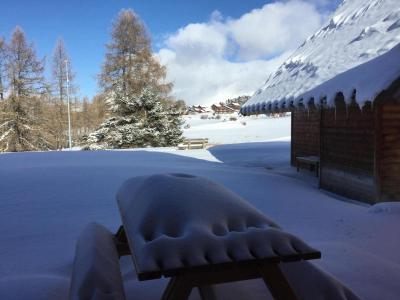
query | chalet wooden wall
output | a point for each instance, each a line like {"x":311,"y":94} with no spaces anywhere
{"x":305,"y":133}
{"x":348,"y":150}
{"x":388,"y":139}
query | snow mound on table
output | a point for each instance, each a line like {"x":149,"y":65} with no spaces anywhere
{"x":180,"y":220}
{"x":359,"y":31}
{"x":385,"y":208}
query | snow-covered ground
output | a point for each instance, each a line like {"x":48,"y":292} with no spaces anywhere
{"x":46,"y":199}
{"x":240,"y":130}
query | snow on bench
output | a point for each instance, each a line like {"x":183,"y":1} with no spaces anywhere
{"x":96,"y":272}
{"x":312,"y":161}
{"x":193,"y":144}
{"x":200,"y":233}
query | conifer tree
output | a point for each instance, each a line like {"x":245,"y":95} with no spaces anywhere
{"x":140,"y":123}
{"x":133,"y":84}
{"x":21,"y":122}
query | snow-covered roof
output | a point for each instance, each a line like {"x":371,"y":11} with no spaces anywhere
{"x":358,"y":49}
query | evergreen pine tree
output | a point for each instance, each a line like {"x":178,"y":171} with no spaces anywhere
{"x":21,"y":122}
{"x":142,"y":122}
{"x":134,"y":87}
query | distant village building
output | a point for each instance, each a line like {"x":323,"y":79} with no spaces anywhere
{"x":197,"y":109}
{"x":227,"y":107}
{"x":234,"y":105}
{"x":238,"y":100}
{"x":222,"y":109}
{"x":357,"y":141}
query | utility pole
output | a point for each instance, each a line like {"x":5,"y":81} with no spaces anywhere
{"x":69,"y":110}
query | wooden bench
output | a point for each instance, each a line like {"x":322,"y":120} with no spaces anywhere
{"x":311,"y":161}
{"x":96,"y":273}
{"x":212,"y":236}
{"x":193,"y":144}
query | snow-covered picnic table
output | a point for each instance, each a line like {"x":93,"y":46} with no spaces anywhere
{"x":200,"y":233}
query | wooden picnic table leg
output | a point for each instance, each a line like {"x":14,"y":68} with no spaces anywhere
{"x":121,"y":242}
{"x":178,"y":288}
{"x":276,"y":282}
{"x":207,"y":292}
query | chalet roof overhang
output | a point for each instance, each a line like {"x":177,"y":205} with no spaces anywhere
{"x":361,"y":85}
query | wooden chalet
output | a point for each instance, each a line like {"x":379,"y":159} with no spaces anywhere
{"x":197,"y":109}
{"x":357,"y":140}
{"x":222,"y":109}
{"x":234,"y":105}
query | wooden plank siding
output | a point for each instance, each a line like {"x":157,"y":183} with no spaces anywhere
{"x":347,"y":150}
{"x":388,"y":170}
{"x":305,"y":133}
{"x":359,"y":148}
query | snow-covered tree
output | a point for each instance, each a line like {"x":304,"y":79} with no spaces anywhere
{"x":21,"y":115}
{"x":142,"y":121}
{"x":133,"y":84}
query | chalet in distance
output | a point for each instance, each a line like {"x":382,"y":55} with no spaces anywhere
{"x":356,"y":138}
{"x":197,"y":109}
{"x":222,"y":109}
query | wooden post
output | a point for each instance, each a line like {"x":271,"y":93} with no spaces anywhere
{"x":207,"y":292}
{"x":277,"y":284}
{"x":178,"y":288}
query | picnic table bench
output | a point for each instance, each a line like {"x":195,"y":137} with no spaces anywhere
{"x":200,"y":239}
{"x":197,"y":233}
{"x":96,"y":273}
{"x":311,"y":161}
{"x":197,"y":143}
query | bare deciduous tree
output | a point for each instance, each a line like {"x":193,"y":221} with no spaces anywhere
{"x":60,"y":61}
{"x":21,"y":124}
{"x":129,"y":64}
{"x":2,"y":67}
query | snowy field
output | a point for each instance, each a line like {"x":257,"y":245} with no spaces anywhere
{"x":241,"y":130}
{"x":46,"y":199}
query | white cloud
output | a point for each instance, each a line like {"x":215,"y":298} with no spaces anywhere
{"x":274,"y":28}
{"x":222,"y":58}
{"x":198,"y":40}
{"x":215,"y":79}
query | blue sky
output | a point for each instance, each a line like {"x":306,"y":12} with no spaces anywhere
{"x":84,"y":26}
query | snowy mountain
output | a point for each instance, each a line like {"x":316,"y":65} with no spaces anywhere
{"x":359,"y":31}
